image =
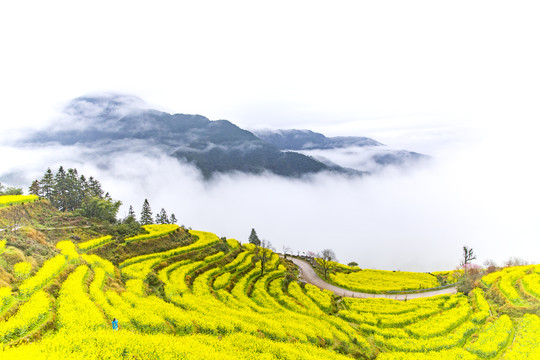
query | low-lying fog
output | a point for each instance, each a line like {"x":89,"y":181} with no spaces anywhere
{"x":416,"y":219}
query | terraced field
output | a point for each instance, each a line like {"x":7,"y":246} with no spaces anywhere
{"x":9,"y":200}
{"x":381,"y":281}
{"x":208,"y":299}
{"x":308,"y":274}
{"x":516,"y":288}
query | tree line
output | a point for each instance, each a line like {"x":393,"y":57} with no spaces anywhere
{"x":9,"y":190}
{"x":146,"y":215}
{"x":68,"y":191}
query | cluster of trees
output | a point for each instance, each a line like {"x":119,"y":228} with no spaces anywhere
{"x":146,"y":215}
{"x":69,"y":191}
{"x":9,"y":190}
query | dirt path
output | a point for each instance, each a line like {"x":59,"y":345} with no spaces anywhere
{"x":310,"y":276}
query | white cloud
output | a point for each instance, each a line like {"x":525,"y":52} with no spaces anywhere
{"x":413,"y":220}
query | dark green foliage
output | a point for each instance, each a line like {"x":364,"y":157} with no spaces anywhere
{"x":10,"y":190}
{"x":289,"y":277}
{"x":125,"y":228}
{"x":222,"y":246}
{"x":146,"y":213}
{"x":307,"y":140}
{"x":260,"y":158}
{"x":173,"y":219}
{"x":103,"y":209}
{"x":131,"y":214}
{"x":155,"y":284}
{"x":34,"y":188}
{"x":93,"y":188}
{"x":162,"y":218}
{"x":60,"y":189}
{"x":67,"y":191}
{"x":353,"y":263}
{"x":47,"y":185}
{"x":253,"y":238}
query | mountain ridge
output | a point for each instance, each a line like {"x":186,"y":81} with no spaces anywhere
{"x":294,"y":139}
{"x":115,"y":122}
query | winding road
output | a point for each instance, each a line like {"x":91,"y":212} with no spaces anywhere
{"x":310,"y":276}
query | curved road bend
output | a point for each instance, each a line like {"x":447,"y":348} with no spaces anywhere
{"x":310,"y":276}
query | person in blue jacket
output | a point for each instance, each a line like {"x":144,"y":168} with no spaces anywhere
{"x":115,"y":324}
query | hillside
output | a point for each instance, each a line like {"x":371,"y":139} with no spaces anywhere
{"x":189,"y":294}
{"x":310,"y":140}
{"x":116,"y":123}
{"x":312,"y":143}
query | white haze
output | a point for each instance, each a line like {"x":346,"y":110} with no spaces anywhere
{"x":417,"y":219}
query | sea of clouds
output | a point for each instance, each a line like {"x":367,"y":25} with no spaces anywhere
{"x":397,"y":219}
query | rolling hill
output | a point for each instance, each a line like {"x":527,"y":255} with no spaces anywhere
{"x":180,"y":293}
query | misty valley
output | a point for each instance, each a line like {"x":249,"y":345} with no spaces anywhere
{"x":84,"y":274}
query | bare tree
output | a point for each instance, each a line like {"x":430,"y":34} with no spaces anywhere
{"x":286,"y":250}
{"x":327,"y":261}
{"x":15,"y":216}
{"x":263,"y":253}
{"x":468,"y":255}
{"x":490,"y":266}
{"x":515,"y":261}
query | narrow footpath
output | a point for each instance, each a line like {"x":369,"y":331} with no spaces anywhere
{"x":310,"y":276}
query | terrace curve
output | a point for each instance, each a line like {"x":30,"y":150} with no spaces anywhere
{"x":308,"y":274}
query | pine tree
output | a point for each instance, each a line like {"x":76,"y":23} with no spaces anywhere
{"x":74,"y":192}
{"x":162,"y":217}
{"x":94,"y":188}
{"x":146,"y":213}
{"x":35,"y":188}
{"x":131,"y":213}
{"x":60,"y":189}
{"x":47,"y":185}
{"x":173,"y":219}
{"x":253,"y":238}
{"x":83,"y":184}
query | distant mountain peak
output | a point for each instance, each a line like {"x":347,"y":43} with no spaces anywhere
{"x":104,"y":104}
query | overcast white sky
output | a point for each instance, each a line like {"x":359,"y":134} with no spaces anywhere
{"x":457,"y":80}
